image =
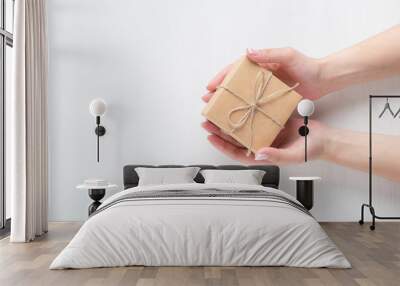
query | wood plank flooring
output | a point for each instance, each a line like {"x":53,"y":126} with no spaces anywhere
{"x":375,"y":257}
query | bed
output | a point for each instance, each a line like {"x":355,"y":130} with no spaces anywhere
{"x":201,"y":224}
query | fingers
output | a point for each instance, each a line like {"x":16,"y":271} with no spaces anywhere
{"x":281,"y":138}
{"x":289,"y":133}
{"x":281,"y":56}
{"x":283,"y":151}
{"x":281,"y":156}
{"x":294,"y":122}
{"x":212,"y":85}
{"x":207,"y":97}
{"x":230,"y":150}
{"x":271,"y":66}
{"x":210,"y":127}
{"x":268,"y":155}
{"x":270,"y":59}
{"x":234,"y":152}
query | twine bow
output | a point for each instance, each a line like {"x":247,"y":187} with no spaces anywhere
{"x":259,"y":99}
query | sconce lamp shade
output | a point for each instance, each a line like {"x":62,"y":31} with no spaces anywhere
{"x":305,"y":107}
{"x":97,"y":107}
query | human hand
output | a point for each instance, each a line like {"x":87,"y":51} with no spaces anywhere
{"x":288,"y":65}
{"x":288,"y":147}
{"x":291,"y":66}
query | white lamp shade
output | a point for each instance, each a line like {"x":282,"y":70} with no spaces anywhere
{"x":305,"y":107}
{"x":97,"y":107}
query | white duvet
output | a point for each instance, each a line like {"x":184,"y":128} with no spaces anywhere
{"x":199,"y":231}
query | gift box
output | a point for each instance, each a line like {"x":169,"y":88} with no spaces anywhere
{"x":251,"y":105}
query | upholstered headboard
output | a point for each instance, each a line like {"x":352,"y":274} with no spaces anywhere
{"x":271,"y":177}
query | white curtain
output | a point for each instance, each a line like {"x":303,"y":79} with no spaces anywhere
{"x":28,"y":123}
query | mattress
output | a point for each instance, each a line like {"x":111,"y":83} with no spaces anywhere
{"x":201,"y":225}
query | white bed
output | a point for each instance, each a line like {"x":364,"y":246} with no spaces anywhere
{"x":207,"y":230}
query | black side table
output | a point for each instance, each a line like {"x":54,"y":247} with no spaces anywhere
{"x":305,"y":190}
{"x":96,"y":193}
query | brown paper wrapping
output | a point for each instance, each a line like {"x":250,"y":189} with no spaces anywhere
{"x":242,"y":80}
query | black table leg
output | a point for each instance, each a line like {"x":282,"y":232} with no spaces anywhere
{"x":305,"y":193}
{"x":96,"y":195}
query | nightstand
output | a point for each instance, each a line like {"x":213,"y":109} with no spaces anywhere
{"x":96,"y":193}
{"x":305,"y":190}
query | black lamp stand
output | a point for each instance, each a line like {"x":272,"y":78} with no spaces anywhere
{"x":303,"y":131}
{"x":100,"y":131}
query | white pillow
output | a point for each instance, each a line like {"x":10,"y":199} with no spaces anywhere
{"x":248,"y":177}
{"x":163,"y":176}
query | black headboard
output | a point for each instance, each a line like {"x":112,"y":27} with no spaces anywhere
{"x":271,"y":177}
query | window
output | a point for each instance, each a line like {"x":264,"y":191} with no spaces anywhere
{"x":6,"y":61}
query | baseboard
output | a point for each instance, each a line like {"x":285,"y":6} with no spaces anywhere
{"x":5,"y":231}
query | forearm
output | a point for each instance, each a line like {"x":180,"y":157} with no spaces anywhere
{"x":375,"y":58}
{"x":351,"y":149}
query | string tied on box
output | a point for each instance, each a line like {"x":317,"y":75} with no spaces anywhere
{"x":259,"y":99}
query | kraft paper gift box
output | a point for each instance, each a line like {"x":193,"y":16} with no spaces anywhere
{"x":251,"y":105}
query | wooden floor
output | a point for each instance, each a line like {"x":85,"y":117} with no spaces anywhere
{"x":375,"y":257}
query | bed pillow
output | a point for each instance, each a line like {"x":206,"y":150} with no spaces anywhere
{"x":163,"y":176}
{"x":248,"y":177}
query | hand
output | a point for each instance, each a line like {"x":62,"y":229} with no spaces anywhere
{"x":288,"y":147}
{"x":291,"y":66}
{"x":288,"y":65}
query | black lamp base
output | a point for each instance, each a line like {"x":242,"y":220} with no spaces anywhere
{"x":303,"y":130}
{"x":100,"y":130}
{"x":96,"y":195}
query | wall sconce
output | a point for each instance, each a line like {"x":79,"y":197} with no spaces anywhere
{"x":305,"y":108}
{"x":97,"y":108}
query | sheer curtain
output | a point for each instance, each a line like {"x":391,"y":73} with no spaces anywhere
{"x":27,"y":123}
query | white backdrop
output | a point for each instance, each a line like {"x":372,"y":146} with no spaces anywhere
{"x":151,"y":60}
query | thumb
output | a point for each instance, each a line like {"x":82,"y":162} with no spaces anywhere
{"x":282,"y":56}
{"x":280,"y":155}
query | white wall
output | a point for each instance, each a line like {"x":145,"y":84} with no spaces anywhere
{"x":151,"y":60}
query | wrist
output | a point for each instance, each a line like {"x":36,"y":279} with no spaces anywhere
{"x":329,"y":139}
{"x":339,"y":70}
{"x":327,"y":75}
